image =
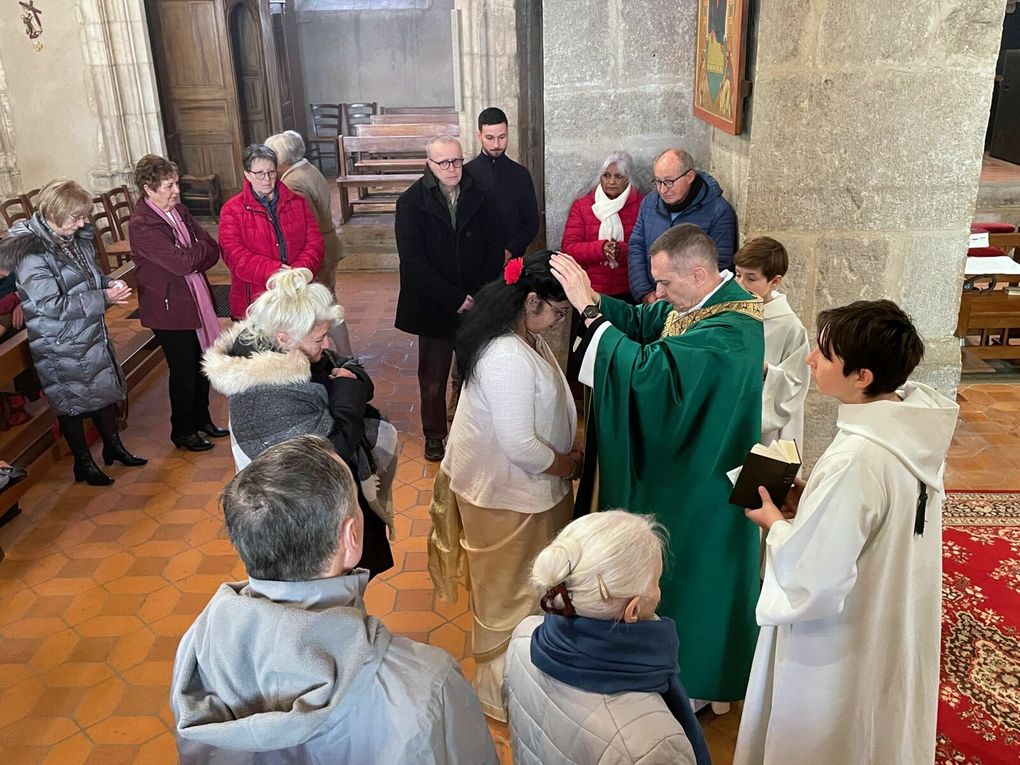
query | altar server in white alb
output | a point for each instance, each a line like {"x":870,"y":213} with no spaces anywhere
{"x":760,"y":266}
{"x":846,"y":669}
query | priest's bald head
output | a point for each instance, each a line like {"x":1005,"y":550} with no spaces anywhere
{"x":685,"y":266}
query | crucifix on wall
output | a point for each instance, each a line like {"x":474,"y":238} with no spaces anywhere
{"x":32,"y":18}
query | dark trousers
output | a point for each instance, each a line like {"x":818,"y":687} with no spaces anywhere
{"x":189,"y":387}
{"x":434,"y":358}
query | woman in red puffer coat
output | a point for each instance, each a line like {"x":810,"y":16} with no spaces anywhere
{"x":265,"y":227}
{"x":596,"y":234}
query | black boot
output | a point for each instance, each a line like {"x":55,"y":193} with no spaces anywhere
{"x":113,"y":449}
{"x":85,"y":468}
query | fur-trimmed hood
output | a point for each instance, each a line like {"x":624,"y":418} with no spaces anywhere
{"x":31,"y":237}
{"x":231,"y":375}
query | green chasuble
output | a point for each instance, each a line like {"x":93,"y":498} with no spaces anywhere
{"x":672,"y":414}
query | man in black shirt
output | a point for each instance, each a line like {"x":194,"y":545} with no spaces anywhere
{"x":507,"y":182}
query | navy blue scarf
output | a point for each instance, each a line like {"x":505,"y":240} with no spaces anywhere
{"x":604,"y":656}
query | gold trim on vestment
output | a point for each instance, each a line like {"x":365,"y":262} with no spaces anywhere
{"x":676,"y":324}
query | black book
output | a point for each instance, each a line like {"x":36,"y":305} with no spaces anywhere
{"x":773,"y":467}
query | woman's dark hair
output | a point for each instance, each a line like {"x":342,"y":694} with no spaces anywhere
{"x":499,"y":308}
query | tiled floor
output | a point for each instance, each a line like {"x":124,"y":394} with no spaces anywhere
{"x":99,"y":584}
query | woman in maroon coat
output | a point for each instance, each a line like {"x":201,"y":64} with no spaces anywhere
{"x":265,"y":227}
{"x":596,"y":234}
{"x":171,"y":254}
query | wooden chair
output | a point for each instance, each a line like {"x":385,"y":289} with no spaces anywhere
{"x":118,"y":203}
{"x":1008,"y":243}
{"x":326,"y":122}
{"x":14,"y":209}
{"x":30,"y":198}
{"x":203,"y":190}
{"x":109,"y":247}
{"x":358,"y":114}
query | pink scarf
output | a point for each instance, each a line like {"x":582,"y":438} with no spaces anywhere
{"x":209,"y":328}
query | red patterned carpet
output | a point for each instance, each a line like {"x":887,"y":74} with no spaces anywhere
{"x":979,"y":704}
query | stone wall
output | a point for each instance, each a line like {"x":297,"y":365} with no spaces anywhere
{"x":864,"y":157}
{"x":618,"y":75}
{"x":54,"y":123}
{"x":79,"y":101}
{"x":396,"y":56}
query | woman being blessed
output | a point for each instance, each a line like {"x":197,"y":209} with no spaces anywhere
{"x":503,"y":490}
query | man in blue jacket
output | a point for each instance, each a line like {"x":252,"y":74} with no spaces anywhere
{"x":685,"y":195}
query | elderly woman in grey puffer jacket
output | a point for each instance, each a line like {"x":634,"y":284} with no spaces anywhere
{"x":282,"y":382}
{"x":64,"y":298}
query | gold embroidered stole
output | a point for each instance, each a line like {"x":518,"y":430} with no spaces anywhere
{"x":676,"y":324}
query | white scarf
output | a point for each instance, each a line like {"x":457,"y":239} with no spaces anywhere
{"x":608,"y":211}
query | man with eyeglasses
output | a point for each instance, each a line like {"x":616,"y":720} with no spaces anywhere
{"x":685,"y":195}
{"x":450,"y":243}
{"x":506,"y":181}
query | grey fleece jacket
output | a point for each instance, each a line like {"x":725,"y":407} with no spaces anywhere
{"x":297,"y":672}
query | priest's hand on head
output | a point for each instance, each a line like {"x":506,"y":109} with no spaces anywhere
{"x":575,"y":281}
{"x":767,"y":514}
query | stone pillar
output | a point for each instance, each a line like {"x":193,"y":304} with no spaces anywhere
{"x":121,"y":86}
{"x":488,"y":67}
{"x":863,"y":158}
{"x":618,"y":75}
{"x":10,"y":176}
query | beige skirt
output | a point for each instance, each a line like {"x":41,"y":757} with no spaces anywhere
{"x":501,"y":546}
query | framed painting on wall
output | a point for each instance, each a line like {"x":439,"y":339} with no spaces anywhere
{"x":719,"y":87}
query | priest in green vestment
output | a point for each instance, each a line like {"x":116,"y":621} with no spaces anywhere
{"x":676,"y":402}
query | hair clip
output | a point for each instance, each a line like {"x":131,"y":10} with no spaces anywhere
{"x":548,"y":604}
{"x":603,"y":589}
{"x":512,"y":270}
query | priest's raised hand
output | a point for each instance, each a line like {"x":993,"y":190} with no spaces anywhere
{"x":575,"y":281}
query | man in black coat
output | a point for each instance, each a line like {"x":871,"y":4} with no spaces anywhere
{"x":450,"y":243}
{"x":507,"y":182}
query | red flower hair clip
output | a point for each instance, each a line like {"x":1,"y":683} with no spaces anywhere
{"x":513,"y":269}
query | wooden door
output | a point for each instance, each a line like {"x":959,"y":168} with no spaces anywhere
{"x":250,"y":68}
{"x":288,"y":67}
{"x":191,"y":50}
{"x":1005,"y":133}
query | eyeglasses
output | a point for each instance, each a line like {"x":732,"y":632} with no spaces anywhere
{"x":79,"y":218}
{"x":667,"y":183}
{"x":446,"y":164}
{"x":263,"y":175}
{"x":613,"y":177}
{"x":561,"y":313}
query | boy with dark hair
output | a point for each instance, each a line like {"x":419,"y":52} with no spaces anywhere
{"x":847,"y":664}
{"x":760,"y":266}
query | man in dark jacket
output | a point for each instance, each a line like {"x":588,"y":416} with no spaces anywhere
{"x":685,"y":195}
{"x":450,"y":243}
{"x":507,"y":182}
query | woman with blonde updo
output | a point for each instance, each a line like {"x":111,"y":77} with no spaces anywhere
{"x":283,"y":381}
{"x":600,"y":658}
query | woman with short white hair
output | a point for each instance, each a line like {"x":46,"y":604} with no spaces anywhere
{"x":282,"y":381}
{"x":600,"y":662}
